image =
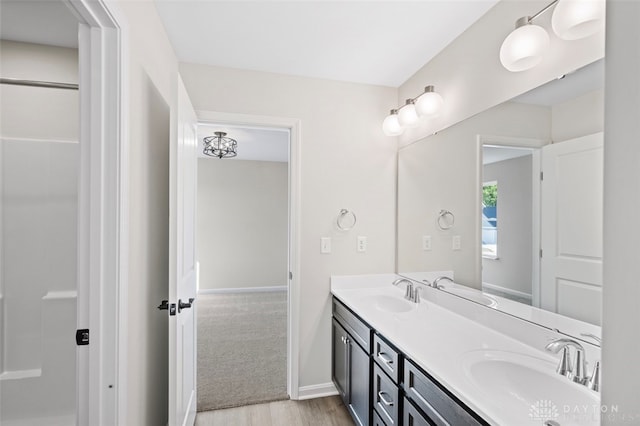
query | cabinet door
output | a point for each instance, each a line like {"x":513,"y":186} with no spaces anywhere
{"x":358,"y":382}
{"x":340,"y":361}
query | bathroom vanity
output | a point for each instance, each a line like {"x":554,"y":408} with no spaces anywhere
{"x":396,"y":362}
{"x":397,"y":391}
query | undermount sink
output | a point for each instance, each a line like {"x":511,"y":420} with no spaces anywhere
{"x":394,"y":304}
{"x":531,"y":389}
{"x":474,"y":296}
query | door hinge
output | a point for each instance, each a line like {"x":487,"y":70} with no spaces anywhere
{"x":82,"y":337}
{"x":541,"y":175}
{"x":290,"y":275}
{"x":540,"y":253}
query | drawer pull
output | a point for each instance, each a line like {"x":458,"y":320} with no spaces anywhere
{"x":388,"y":402}
{"x":385,"y":358}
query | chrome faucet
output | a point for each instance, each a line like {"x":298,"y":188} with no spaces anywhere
{"x":565,"y":367}
{"x":411,"y":293}
{"x":435,"y":282}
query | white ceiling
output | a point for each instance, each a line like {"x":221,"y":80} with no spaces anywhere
{"x":47,"y":22}
{"x":258,"y":144}
{"x":374,"y":42}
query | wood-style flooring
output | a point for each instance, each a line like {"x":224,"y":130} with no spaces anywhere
{"x":329,"y":411}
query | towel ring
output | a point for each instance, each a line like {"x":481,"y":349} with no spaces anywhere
{"x":342,"y":219}
{"x":445,"y":220}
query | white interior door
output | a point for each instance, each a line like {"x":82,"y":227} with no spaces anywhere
{"x":182,"y":265}
{"x":572,"y":204}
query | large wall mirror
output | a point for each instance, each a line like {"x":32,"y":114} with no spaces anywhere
{"x":523,"y":184}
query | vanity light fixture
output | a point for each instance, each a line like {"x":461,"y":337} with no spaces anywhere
{"x":426,"y":105}
{"x":573,"y":19}
{"x":407,"y":114}
{"x":391,"y":126}
{"x":220,"y":146}
{"x":525,"y":46}
{"x":429,"y":104}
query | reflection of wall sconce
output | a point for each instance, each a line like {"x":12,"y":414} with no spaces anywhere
{"x":525,"y":46}
{"x":426,"y":105}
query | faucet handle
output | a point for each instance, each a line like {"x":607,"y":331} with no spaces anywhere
{"x":593,"y":382}
{"x":409,"y":291}
{"x":564,"y":367}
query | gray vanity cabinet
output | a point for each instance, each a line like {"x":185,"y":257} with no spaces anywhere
{"x":350,"y":364}
{"x":382,"y":387}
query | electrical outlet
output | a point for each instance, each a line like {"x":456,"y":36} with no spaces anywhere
{"x":325,"y":245}
{"x":426,"y":242}
{"x":362,"y":244}
{"x":456,"y":242}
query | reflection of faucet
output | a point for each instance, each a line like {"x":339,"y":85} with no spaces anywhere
{"x":411,"y":294}
{"x":565,"y":367}
{"x":435,"y":282}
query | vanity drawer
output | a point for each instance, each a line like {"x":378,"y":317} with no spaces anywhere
{"x":386,"y":397}
{"x":354,"y":325}
{"x":377,"y":421}
{"x":386,"y":356}
{"x":411,"y":416}
{"x":439,"y":406}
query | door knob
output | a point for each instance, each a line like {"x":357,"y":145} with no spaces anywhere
{"x":184,"y":305}
{"x":166,"y":306}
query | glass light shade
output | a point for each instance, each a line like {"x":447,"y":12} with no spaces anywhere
{"x":391,"y":126}
{"x":576,"y":19}
{"x":407,"y":115}
{"x":524,"y":47}
{"x":429,"y":104}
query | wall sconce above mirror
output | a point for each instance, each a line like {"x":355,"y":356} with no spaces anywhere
{"x":426,"y":105}
{"x":525,"y":47}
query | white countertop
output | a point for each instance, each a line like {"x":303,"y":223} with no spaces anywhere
{"x":442,"y":342}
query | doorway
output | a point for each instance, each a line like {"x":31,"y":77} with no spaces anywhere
{"x":510,"y":178}
{"x":243,"y":231}
{"x":83,"y":225}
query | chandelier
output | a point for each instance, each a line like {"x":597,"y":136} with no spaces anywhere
{"x":220,"y":146}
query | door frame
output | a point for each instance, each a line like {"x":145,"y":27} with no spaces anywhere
{"x":102,"y":211}
{"x":293,"y":289}
{"x":536,"y":168}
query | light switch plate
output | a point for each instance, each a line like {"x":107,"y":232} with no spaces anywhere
{"x":362,"y":244}
{"x":455,"y":245}
{"x":325,"y":245}
{"x":426,"y":242}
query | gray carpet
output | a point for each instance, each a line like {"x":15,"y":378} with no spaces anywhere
{"x":242,"y":344}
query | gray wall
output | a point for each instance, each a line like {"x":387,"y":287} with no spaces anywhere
{"x":242,"y":223}
{"x":512,"y":269}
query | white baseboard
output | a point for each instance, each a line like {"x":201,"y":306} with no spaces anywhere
{"x":241,"y":290}
{"x":507,"y":290}
{"x":317,"y":391}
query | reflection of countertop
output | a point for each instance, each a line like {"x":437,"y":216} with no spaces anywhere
{"x":441,"y":341}
{"x":551,"y":320}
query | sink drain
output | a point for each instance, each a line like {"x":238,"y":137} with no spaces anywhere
{"x":551,"y":423}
